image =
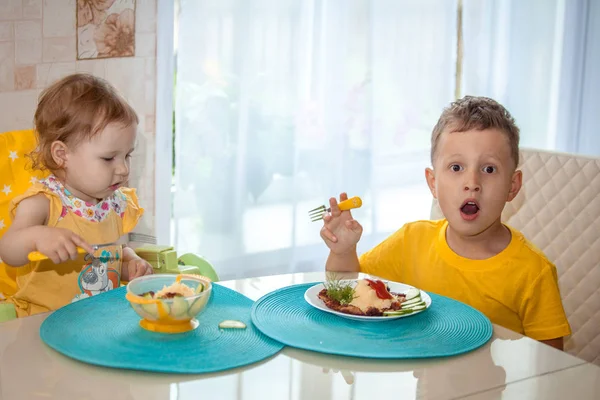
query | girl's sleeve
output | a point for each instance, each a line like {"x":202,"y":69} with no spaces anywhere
{"x":56,"y":206}
{"x":133,"y":212}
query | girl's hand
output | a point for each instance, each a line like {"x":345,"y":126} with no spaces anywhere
{"x":58,"y":244}
{"x":135,"y":268}
{"x":340,"y":231}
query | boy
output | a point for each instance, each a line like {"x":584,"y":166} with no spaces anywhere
{"x":470,"y":255}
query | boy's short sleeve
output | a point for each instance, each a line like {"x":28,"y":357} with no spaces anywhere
{"x":133,"y":212}
{"x":542,"y":311}
{"x":384,"y":260}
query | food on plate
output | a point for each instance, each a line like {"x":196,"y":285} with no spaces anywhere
{"x":369,"y":297}
{"x":366,"y":297}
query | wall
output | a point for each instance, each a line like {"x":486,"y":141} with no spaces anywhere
{"x":38,"y":46}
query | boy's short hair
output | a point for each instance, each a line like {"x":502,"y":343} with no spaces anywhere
{"x":73,"y":109}
{"x":475,"y":112}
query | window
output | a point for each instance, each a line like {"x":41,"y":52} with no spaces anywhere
{"x":281,"y":104}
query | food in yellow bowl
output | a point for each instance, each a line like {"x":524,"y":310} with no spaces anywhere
{"x":176,"y":289}
{"x":169,"y":303}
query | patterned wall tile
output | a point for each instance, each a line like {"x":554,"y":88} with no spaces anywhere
{"x":95,"y":67}
{"x":28,"y":30}
{"x":145,"y":45}
{"x":150,"y":68}
{"x":25,"y":77}
{"x":28,"y":51}
{"x":32,"y":9}
{"x":7,"y":66}
{"x":126,"y":74}
{"x":59,"y":49}
{"x":150,"y":96}
{"x":17,"y":108}
{"x":10,"y":10}
{"x":51,"y":72}
{"x":59,"y":18}
{"x":145,"y":16}
{"x":150,"y":124}
{"x":6,"y":31}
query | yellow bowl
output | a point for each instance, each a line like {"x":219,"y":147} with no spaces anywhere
{"x":175,"y":315}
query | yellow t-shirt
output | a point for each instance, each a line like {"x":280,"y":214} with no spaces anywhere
{"x":517,"y":288}
{"x":43,"y":286}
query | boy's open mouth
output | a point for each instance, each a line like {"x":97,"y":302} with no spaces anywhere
{"x":469,"y":209}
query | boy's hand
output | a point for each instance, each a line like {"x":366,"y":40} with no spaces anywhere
{"x":340,"y":232}
{"x":137,"y":267}
{"x":58,"y":244}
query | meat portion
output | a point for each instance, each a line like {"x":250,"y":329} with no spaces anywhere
{"x":335,"y":305}
{"x":350,"y":309}
{"x":168,"y":295}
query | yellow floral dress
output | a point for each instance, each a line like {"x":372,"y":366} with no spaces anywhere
{"x":43,"y":286}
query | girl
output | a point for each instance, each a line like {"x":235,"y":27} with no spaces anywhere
{"x":85,"y":132}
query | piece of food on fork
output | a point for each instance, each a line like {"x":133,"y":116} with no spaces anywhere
{"x":317,"y":214}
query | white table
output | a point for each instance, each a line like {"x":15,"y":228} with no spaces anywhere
{"x":510,"y":366}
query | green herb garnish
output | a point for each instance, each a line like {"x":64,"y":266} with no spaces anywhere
{"x":342,"y":292}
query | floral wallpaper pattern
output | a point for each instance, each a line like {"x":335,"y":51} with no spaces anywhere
{"x":105,"y":29}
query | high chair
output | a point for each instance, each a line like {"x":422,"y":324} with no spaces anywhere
{"x":15,"y":178}
{"x":558,"y":210}
{"x":17,"y":175}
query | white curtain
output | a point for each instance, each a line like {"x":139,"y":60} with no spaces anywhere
{"x":281,"y":104}
{"x":512,"y":53}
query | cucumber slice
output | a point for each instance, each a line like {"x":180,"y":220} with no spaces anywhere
{"x":232,"y":324}
{"x":412,"y":293}
{"x":397,"y":313}
{"x":412,"y":301}
{"x":198,"y":305}
{"x":179,"y":307}
{"x":418,"y":308}
{"x":412,"y":306}
{"x":152,"y":310}
{"x":200,"y":288}
{"x":406,"y":310}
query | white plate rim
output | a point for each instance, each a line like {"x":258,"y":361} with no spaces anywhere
{"x":312,"y":298}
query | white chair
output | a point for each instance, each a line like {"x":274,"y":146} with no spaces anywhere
{"x":558,"y":210}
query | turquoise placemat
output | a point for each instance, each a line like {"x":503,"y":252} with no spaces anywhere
{"x":104,"y":330}
{"x":446,"y":328}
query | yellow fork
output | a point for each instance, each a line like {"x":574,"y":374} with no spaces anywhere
{"x":317,"y":214}
{"x":37,"y":256}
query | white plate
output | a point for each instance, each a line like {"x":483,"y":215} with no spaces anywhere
{"x":312,"y":297}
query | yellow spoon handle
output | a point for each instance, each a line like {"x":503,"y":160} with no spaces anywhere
{"x":37,"y":256}
{"x":351,"y":203}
